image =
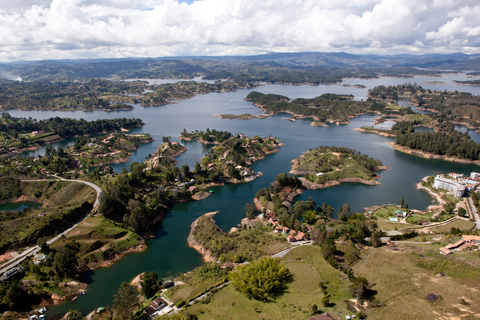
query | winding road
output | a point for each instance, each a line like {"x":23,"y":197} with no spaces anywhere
{"x":30,"y":251}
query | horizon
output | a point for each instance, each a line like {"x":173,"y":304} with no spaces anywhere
{"x":39,"y":30}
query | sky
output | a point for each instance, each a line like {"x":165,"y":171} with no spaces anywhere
{"x":70,"y":29}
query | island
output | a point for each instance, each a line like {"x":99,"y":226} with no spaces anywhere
{"x":21,"y":134}
{"x":102,"y":94}
{"x":324,"y":109}
{"x":451,"y":146}
{"x":103,"y":150}
{"x":327,"y":166}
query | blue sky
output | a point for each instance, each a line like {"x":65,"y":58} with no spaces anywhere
{"x":61,"y":29}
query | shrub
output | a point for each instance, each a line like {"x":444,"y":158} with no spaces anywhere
{"x":261,"y":279}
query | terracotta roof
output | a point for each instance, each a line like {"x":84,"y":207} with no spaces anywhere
{"x":456,"y":244}
{"x":445,"y":251}
{"x":323,"y":316}
{"x":468,"y":238}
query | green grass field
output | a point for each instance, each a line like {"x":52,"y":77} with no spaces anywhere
{"x":308,"y":268}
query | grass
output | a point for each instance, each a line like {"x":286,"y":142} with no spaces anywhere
{"x":388,"y":226}
{"x":402,"y":285}
{"x":308,"y":268}
{"x":111,"y":237}
{"x":460,"y":223}
{"x":386,"y":212}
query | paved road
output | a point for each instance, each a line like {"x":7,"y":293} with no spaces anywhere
{"x":284,"y":252}
{"x":475,"y":213}
{"x":30,"y":251}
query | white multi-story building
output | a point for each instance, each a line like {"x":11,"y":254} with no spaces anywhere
{"x":457,"y":186}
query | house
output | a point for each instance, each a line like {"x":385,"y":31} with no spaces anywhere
{"x":384,"y":239}
{"x":455,"y":245}
{"x":273,"y":220}
{"x":323,"y":316}
{"x":293,"y":232}
{"x":278,"y":229}
{"x":40,"y":258}
{"x":192,"y":189}
{"x":400,"y":213}
{"x":301,"y":236}
{"x":157,"y":305}
{"x":291,"y":238}
{"x":471,"y":239}
{"x":286,"y":230}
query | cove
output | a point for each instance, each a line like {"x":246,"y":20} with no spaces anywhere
{"x":168,"y":253}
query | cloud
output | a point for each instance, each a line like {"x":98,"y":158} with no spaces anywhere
{"x":41,"y":29}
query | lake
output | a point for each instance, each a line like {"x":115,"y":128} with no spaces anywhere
{"x":168,"y":253}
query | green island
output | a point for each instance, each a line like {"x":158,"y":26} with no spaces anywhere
{"x":100,"y":94}
{"x":326,"y":166}
{"x":112,"y":148}
{"x":451,"y":146}
{"x":327,"y":108}
{"x":446,"y":106}
{"x":468,"y":82}
{"x":21,"y":134}
{"x":229,"y":159}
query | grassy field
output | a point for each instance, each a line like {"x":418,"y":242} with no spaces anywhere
{"x":403,"y":285}
{"x":308,"y":269}
{"x":101,"y":238}
{"x":388,"y":226}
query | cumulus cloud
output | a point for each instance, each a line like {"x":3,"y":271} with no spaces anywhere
{"x":49,"y":29}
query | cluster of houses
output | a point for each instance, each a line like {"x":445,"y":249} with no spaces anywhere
{"x":457,"y":183}
{"x":466,"y":242}
{"x":292,"y":235}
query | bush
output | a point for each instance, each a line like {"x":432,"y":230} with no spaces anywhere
{"x":261,"y":279}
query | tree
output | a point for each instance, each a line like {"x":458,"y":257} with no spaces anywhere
{"x":65,"y":262}
{"x":402,"y":203}
{"x":74,"y":315}
{"x":167,"y":139}
{"x":250,"y":210}
{"x":462,"y":212}
{"x":326,"y":300}
{"x":126,"y":302}
{"x":150,"y":284}
{"x":360,"y":288}
{"x":314,"y":309}
{"x":309,"y":216}
{"x":260,"y":279}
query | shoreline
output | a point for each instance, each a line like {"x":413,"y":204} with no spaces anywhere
{"x":428,"y":155}
{"x":314,"y":186}
{"x":193,"y":243}
{"x":379,"y":133}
